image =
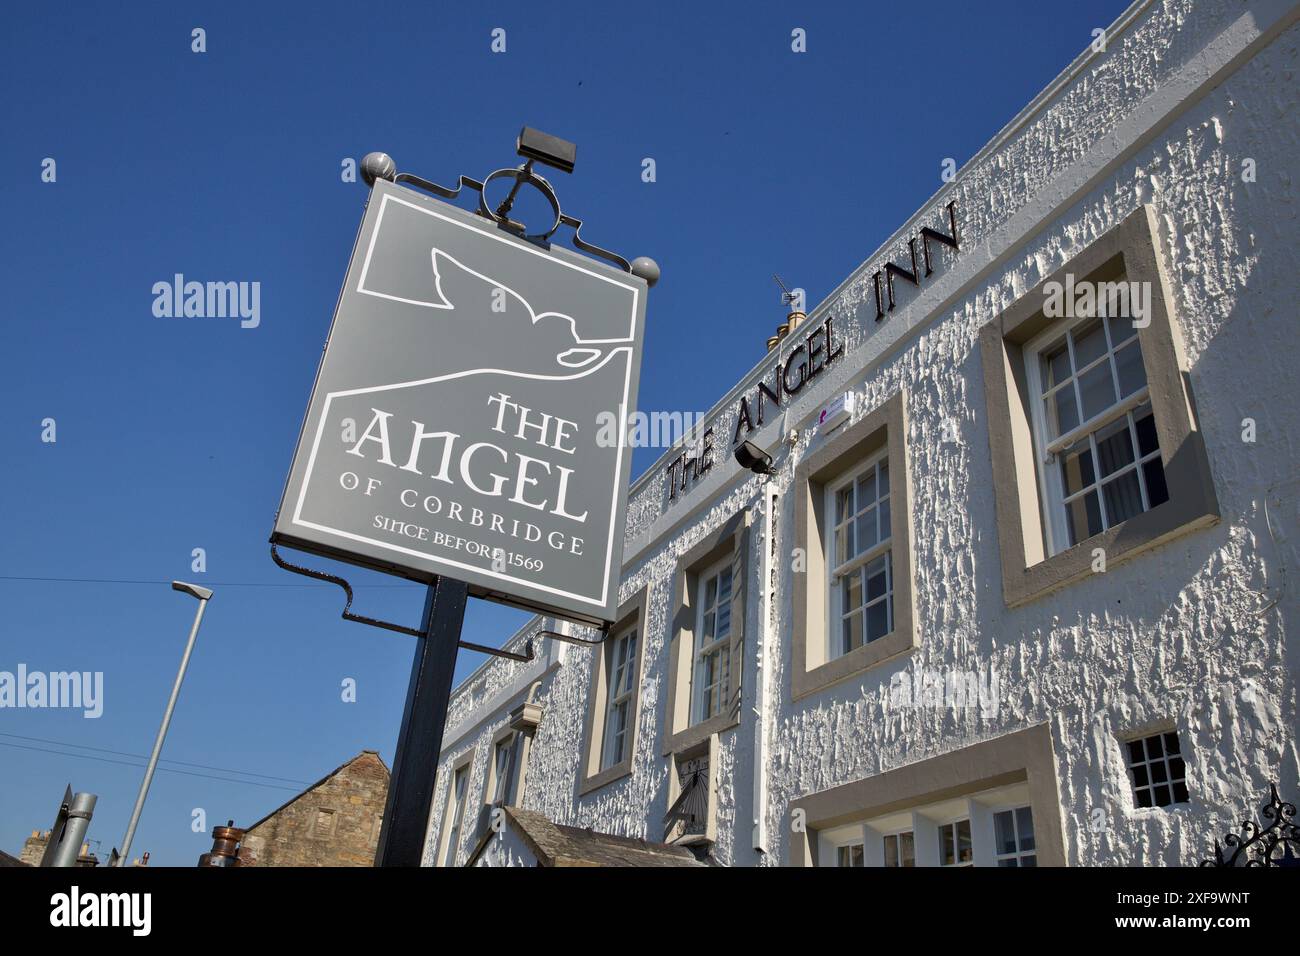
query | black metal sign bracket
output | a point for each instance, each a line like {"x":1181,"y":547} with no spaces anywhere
{"x":525,"y":657}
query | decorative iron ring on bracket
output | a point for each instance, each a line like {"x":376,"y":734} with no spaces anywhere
{"x":381,"y":166}
{"x":521,"y":175}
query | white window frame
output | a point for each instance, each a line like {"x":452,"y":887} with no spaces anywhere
{"x":883,"y":546}
{"x":620,"y":690}
{"x":504,"y":749}
{"x":897,"y":836}
{"x":1020,"y":853}
{"x":1051,"y":491}
{"x":718,"y":645}
{"x":848,"y":845}
{"x":458,"y":796}
{"x":952,"y":825}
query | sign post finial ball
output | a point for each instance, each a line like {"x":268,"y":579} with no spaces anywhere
{"x":646,"y":268}
{"x":377,"y":166}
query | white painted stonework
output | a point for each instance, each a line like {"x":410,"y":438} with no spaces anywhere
{"x":1193,"y":633}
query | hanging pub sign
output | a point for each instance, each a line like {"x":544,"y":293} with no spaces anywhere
{"x":453,"y":427}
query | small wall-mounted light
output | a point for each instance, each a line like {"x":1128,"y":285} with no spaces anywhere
{"x":750,"y":456}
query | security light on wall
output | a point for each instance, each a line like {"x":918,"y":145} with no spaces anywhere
{"x":750,"y":456}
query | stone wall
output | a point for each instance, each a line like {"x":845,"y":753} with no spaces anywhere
{"x":335,"y":823}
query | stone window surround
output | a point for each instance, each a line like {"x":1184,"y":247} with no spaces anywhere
{"x":708,"y":747}
{"x":632,"y":614}
{"x":884,"y":427}
{"x":466,"y":762}
{"x":1028,"y":572}
{"x":511,"y":794}
{"x":1024,"y":755}
{"x":680,"y":735}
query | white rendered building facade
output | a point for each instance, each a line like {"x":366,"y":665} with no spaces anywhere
{"x":1019,"y":587}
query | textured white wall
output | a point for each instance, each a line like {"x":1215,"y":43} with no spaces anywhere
{"x":1166,"y":116}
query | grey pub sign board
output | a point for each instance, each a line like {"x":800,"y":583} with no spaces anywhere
{"x":468,"y":418}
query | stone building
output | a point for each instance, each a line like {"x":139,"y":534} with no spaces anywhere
{"x":334,"y":822}
{"x":34,"y":849}
{"x":1017,"y":585}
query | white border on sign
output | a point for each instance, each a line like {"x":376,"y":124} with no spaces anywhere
{"x":622,"y":438}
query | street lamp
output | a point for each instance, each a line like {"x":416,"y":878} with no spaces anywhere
{"x":203,"y":594}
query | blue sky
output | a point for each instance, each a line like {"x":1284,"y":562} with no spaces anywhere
{"x":176,"y":434}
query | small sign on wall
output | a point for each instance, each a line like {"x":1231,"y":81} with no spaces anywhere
{"x":837,"y":411}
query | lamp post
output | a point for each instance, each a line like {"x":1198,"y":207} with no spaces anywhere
{"x":203,"y":594}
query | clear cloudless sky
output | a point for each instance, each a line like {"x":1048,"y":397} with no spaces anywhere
{"x":176,"y":434}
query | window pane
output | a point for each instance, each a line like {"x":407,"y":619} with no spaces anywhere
{"x":1029,"y":861}
{"x":1083,"y":516}
{"x":1154,"y":473}
{"x":867,"y":535}
{"x":706,"y":630}
{"x":876,"y":579}
{"x":617,"y":726}
{"x":883,"y":468}
{"x":843,"y":503}
{"x":851,"y":591}
{"x":1171,"y":743}
{"x":1076,"y":467}
{"x":907,"y":848}
{"x":724,"y":585}
{"x":867,"y":487}
{"x":1025,"y":827}
{"x":1114,"y":447}
{"x":852,"y":632}
{"x":964,"y":852}
{"x":1004,"y":826}
{"x":884,"y":520}
{"x":1096,"y":390}
{"x":1089,"y":343}
{"x":1123,"y":497}
{"x":844,"y":548}
{"x":1146,"y":430}
{"x":724,"y":618}
{"x":711,"y":592}
{"x":1121,"y":329}
{"x":891,"y":851}
{"x":1056,"y":365}
{"x":1132,"y":374}
{"x":1062,"y":414}
{"x":877,"y":620}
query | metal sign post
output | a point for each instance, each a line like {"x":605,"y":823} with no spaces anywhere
{"x":419,"y":742}
{"x":468,"y":429}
